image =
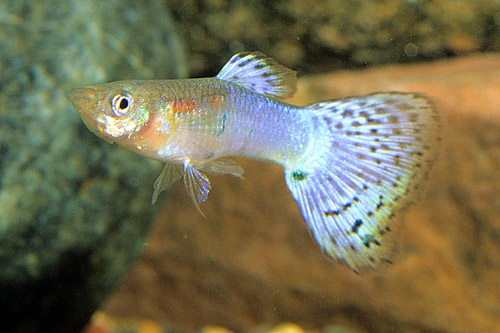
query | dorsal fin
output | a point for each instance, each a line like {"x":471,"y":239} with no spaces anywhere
{"x":260,"y":74}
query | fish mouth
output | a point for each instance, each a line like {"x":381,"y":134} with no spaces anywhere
{"x":84,"y":100}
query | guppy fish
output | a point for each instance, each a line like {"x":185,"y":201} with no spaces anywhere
{"x":349,"y":163}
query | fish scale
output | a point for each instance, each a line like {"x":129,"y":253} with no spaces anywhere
{"x":351,"y":164}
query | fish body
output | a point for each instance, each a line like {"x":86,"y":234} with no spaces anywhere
{"x":350,"y":164}
{"x":203,"y":120}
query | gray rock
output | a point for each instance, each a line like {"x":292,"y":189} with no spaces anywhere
{"x":74,"y":210}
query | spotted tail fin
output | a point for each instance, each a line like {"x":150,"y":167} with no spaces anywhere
{"x":370,"y":154}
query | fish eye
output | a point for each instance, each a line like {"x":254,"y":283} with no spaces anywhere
{"x":121,"y":104}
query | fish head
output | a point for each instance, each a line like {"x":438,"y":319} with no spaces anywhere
{"x":113,"y":111}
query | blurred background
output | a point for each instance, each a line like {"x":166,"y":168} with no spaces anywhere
{"x":325,"y":35}
{"x":82,"y":248}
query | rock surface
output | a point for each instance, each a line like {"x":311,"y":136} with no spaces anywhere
{"x":72,"y":207}
{"x":253,"y":263}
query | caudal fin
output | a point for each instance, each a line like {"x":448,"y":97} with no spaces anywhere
{"x":370,"y":153}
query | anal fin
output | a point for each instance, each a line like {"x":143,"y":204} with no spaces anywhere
{"x":225,"y":166}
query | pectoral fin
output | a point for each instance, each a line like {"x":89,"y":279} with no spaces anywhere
{"x":197,"y":185}
{"x":169,"y":174}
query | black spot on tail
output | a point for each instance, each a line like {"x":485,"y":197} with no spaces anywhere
{"x":332,"y":213}
{"x":299,"y":175}
{"x":358,"y":223}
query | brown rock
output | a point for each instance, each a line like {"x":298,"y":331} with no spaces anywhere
{"x":253,"y":262}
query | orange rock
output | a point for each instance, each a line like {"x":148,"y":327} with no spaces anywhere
{"x":253,"y":261}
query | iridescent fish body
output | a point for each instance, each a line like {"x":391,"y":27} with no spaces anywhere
{"x":350,"y":164}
